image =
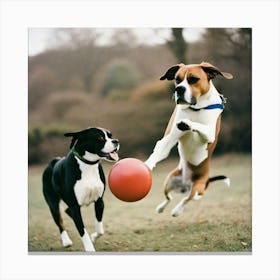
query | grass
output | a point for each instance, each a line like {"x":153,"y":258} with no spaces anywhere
{"x":220,"y":222}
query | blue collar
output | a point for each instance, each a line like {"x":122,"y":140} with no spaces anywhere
{"x":209,"y":107}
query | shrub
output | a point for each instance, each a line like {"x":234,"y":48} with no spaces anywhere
{"x":40,"y":83}
{"x":60,"y":102}
{"x":121,"y":76}
{"x":46,"y":142}
{"x":152,"y":91}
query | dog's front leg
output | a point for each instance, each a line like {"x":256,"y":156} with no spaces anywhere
{"x":99,"y":230}
{"x":77,"y":218}
{"x":206,"y":131}
{"x":163,"y":147}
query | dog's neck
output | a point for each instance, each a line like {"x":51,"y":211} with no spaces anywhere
{"x":87,"y":158}
{"x":210,"y":97}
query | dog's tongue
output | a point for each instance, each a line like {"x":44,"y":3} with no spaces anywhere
{"x":114,"y":156}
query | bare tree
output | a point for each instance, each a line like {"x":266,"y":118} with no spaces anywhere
{"x":178,"y":45}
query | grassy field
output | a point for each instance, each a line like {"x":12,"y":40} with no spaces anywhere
{"x":220,"y":222}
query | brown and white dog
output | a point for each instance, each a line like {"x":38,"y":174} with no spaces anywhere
{"x":194,"y":125}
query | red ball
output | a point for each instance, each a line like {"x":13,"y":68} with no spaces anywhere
{"x":130,"y":179}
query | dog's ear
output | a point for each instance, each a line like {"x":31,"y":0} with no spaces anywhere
{"x":75,"y":136}
{"x":212,"y":71}
{"x":170,"y":73}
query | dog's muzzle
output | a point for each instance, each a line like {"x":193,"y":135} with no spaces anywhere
{"x":113,"y":154}
{"x":180,"y":96}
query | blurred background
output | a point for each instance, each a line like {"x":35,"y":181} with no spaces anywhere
{"x":82,"y":77}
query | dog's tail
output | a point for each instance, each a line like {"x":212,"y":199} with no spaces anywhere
{"x":225,"y":179}
{"x":47,"y":176}
{"x":54,"y":161}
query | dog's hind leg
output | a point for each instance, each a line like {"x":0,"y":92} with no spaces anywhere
{"x":168,"y":187}
{"x":54,"y":208}
{"x":53,"y":200}
{"x":160,"y":208}
{"x":195,"y":194}
{"x":178,"y":209}
{"x":99,"y":208}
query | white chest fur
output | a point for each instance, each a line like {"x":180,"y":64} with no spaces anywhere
{"x":192,"y":147}
{"x":90,"y":187}
{"x":193,"y":142}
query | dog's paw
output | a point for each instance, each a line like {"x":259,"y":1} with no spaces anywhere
{"x":196,"y":196}
{"x":88,"y":245}
{"x":183,"y":126}
{"x":160,"y":208}
{"x":99,"y":231}
{"x":227,"y":182}
{"x":66,"y":241}
{"x":95,"y":235}
{"x":177,"y":210}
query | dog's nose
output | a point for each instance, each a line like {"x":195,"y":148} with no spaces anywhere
{"x":115,"y":141}
{"x":180,"y":90}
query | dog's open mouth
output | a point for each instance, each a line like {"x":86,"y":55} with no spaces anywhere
{"x":112,"y":155}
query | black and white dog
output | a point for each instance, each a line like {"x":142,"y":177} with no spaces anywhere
{"x":78,"y":179}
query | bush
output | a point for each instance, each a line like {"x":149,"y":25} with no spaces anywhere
{"x":152,"y":91}
{"x":62,"y":102}
{"x":47,"y":142}
{"x":119,"y":94}
{"x":40,"y":83}
{"x":121,"y":76}
{"x":59,"y":103}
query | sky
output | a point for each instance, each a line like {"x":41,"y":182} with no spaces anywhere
{"x":41,"y":38}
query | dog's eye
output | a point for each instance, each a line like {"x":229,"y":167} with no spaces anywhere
{"x":192,"y":80}
{"x":100,"y":138}
{"x":178,"y":80}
